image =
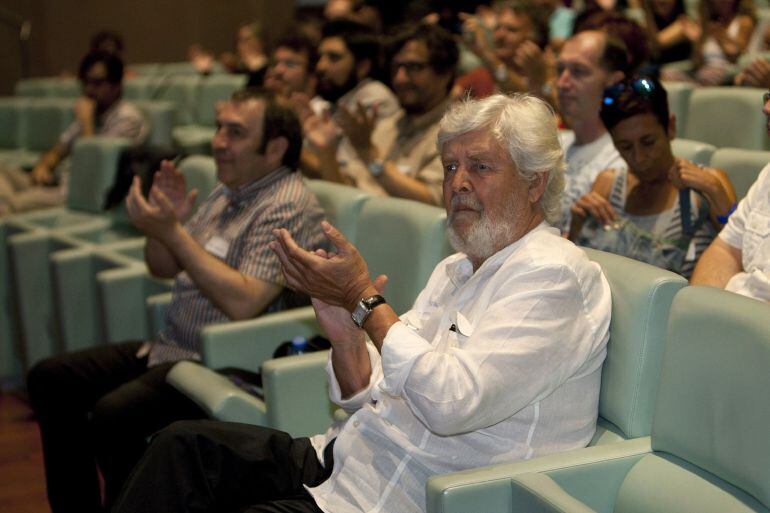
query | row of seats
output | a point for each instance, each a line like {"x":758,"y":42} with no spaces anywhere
{"x":723,"y":116}
{"x":49,"y":261}
{"x":191,"y":98}
{"x":31,"y":126}
{"x":682,"y":415}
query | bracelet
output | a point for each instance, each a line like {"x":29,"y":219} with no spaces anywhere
{"x":723,"y":219}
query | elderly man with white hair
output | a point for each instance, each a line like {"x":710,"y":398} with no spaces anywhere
{"x":498,"y":360}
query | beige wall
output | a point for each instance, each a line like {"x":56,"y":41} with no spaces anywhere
{"x":153,"y":30}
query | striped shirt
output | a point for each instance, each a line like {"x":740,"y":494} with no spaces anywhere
{"x":236,"y":226}
{"x":657,"y":239}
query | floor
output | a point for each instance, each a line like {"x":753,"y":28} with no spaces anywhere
{"x":22,"y":485}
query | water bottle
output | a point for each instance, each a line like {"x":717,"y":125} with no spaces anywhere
{"x":298,"y":345}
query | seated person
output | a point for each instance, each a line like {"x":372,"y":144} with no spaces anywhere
{"x":739,"y":258}
{"x":499,"y":359}
{"x":660,"y":209}
{"x":100,"y":111}
{"x":101,"y":404}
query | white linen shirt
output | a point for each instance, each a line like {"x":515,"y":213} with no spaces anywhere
{"x":749,"y":230}
{"x":494,"y":366}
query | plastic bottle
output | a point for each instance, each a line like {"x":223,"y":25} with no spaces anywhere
{"x":298,"y":345}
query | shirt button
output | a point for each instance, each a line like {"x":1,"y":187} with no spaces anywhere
{"x":356,"y":423}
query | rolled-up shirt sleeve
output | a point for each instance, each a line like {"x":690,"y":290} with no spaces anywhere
{"x":363,"y":396}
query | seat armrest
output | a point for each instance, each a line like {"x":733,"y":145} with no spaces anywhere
{"x":247,"y":344}
{"x":538,"y":493}
{"x":491,"y":486}
{"x":157,"y":306}
{"x":123,"y":294}
{"x":296,"y":393}
{"x":216,"y":394}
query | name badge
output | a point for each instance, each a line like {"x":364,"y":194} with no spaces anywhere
{"x":217,"y":246}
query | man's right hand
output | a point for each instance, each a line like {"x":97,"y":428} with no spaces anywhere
{"x":595,"y":205}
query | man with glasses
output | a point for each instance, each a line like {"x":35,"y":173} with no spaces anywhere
{"x":739,"y":258}
{"x":99,"y":111}
{"x":398,"y":157}
{"x":291,"y":66}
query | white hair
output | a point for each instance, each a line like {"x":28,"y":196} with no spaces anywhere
{"x":523,"y":125}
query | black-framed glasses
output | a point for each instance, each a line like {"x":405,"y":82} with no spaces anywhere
{"x":643,"y":87}
{"x":410,"y":67}
{"x":766,"y":97}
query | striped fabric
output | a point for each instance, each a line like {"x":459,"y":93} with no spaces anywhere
{"x":666,"y":227}
{"x":236,"y":226}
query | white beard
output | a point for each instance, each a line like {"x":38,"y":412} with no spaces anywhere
{"x":484,"y":237}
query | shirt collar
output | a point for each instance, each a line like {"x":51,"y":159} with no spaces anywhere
{"x":461,"y":270}
{"x":239,"y":196}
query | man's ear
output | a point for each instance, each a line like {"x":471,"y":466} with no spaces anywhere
{"x":275,"y":150}
{"x":537,"y":186}
{"x":363,"y":69}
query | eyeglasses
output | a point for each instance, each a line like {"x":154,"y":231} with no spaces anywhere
{"x":643,"y":87}
{"x":410,"y":67}
{"x":766,"y":97}
{"x":94,"y":81}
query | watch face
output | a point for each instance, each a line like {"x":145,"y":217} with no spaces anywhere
{"x":360,"y":314}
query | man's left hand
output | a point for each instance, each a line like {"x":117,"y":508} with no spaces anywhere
{"x":338,"y":279}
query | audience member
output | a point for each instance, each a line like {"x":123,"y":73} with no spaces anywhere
{"x":659,"y":209}
{"x":561,"y":21}
{"x":671,"y":31}
{"x":726,"y":30}
{"x":739,"y":258}
{"x":432,"y":391}
{"x":102,"y":403}
{"x":399,"y":156}
{"x":99,"y":111}
{"x":755,"y":74}
{"x":515,"y":58}
{"x":347,"y":58}
{"x":291,"y":66}
{"x":589,"y":61}
{"x":250,"y":57}
{"x":624,"y":29}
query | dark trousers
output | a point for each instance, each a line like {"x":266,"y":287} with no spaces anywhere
{"x":94,"y":406}
{"x":210,"y":466}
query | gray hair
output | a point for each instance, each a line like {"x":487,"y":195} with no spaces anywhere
{"x":526,"y":127}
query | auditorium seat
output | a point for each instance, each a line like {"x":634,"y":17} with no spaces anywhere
{"x":742,"y":166}
{"x":708,"y":451}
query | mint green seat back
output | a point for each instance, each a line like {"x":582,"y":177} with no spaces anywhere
{"x":678,"y":100}
{"x":727,"y":117}
{"x":11,"y":119}
{"x":160,"y":115}
{"x":641,"y":297}
{"x":341,"y":204}
{"x":93,"y":167}
{"x":139,"y":88}
{"x":182,"y":91}
{"x":712,"y":409}
{"x":46,"y":119}
{"x":741,"y":166}
{"x":213,"y":89}
{"x":200,"y":173}
{"x":697,"y":151}
{"x":405,"y":240}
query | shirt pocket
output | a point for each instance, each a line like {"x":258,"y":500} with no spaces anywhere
{"x":460,"y":331}
{"x":756,"y":242}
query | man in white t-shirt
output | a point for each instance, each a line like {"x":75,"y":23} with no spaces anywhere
{"x":588,"y":62}
{"x":739,"y":258}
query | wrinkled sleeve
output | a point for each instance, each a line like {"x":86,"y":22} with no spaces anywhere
{"x":538,"y":332}
{"x":364,"y":396}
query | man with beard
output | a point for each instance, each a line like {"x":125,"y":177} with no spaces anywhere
{"x":99,"y":111}
{"x":588,"y":62}
{"x":291,"y":66}
{"x":398,"y":157}
{"x":102,"y":403}
{"x":499,"y":359}
{"x":347,"y":58}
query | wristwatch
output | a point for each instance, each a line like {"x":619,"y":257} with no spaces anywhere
{"x":376,"y":167}
{"x":364,"y":308}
